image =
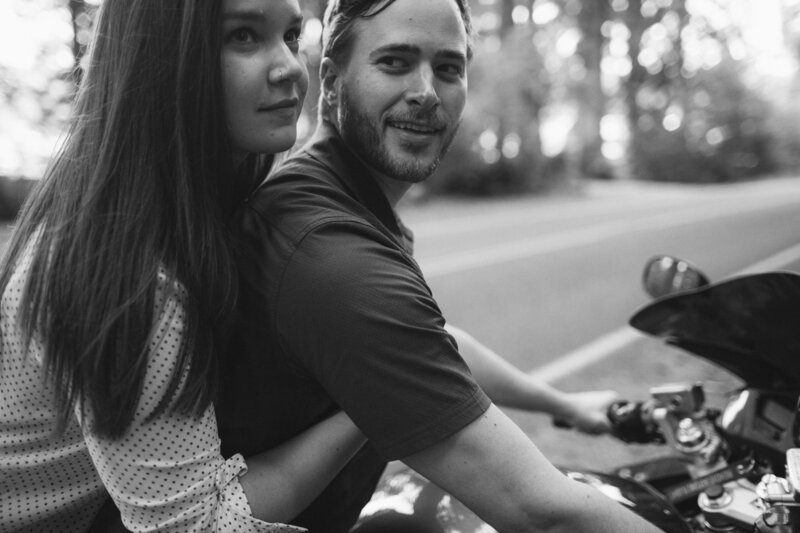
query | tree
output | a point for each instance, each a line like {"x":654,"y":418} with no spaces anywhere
{"x":590,"y":96}
{"x":37,"y":94}
{"x":690,"y":114}
{"x":82,"y":18}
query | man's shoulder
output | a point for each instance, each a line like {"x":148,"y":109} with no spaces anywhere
{"x":303,"y":191}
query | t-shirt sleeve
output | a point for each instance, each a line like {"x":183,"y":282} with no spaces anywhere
{"x":166,"y":473}
{"x":353,"y":307}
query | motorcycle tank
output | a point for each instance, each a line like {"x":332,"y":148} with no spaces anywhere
{"x":406,"y":502}
{"x":749,"y":325}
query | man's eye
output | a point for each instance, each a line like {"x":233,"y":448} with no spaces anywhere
{"x":452,"y":70}
{"x":393,"y":63}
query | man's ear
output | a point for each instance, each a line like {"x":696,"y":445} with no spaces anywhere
{"x":329,"y":80}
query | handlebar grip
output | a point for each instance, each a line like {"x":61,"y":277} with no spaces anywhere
{"x":562,"y":424}
{"x":629,"y":423}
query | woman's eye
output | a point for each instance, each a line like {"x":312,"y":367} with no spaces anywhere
{"x":241,"y":35}
{"x":292,"y":36}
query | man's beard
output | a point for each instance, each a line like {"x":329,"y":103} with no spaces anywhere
{"x":362,"y":137}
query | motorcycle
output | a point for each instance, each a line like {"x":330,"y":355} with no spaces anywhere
{"x":735,"y":469}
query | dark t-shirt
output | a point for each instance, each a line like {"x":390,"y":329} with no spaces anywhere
{"x":335,"y":313}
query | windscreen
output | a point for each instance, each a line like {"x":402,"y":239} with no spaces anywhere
{"x":749,"y":325}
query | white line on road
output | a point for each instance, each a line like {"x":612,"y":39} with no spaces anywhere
{"x":586,"y":355}
{"x":510,"y":251}
{"x":773,"y":262}
{"x":615,"y":341}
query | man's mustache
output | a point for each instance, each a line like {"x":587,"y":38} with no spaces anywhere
{"x":432,"y":120}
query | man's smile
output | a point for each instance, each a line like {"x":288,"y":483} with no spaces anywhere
{"x":414,"y":127}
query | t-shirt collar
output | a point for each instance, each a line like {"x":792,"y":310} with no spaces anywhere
{"x":327,"y":147}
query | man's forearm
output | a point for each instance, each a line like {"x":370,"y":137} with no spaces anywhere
{"x":508,"y":386}
{"x":504,"y":383}
{"x":519,"y":490}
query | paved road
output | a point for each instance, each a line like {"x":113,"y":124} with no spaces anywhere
{"x":551,"y":283}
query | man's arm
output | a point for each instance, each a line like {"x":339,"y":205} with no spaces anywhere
{"x":494,"y":469}
{"x":508,"y":386}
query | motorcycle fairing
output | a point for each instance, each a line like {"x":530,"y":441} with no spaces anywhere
{"x":749,"y":325}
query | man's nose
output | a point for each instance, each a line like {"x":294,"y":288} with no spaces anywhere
{"x":421,"y":89}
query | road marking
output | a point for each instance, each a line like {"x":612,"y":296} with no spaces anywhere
{"x":614,"y":342}
{"x":773,"y":262}
{"x":505,"y":252}
{"x":595,"y":351}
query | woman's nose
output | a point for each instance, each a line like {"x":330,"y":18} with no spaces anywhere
{"x":289,"y":69}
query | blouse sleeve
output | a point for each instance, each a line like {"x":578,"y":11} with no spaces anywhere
{"x":167,"y":473}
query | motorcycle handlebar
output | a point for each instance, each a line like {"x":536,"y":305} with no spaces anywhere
{"x":631,"y":422}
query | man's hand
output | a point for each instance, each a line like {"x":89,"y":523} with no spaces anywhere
{"x":587,"y":411}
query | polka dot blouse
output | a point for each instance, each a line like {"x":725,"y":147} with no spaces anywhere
{"x":164,"y":475}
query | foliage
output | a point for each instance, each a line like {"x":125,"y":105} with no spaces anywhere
{"x":643,"y":63}
{"x":784,"y":127}
{"x":723,"y":137}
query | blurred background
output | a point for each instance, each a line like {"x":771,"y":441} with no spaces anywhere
{"x":597,"y":134}
{"x":561,"y":91}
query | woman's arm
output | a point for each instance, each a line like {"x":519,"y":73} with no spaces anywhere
{"x":284,"y":480}
{"x":167,"y":473}
{"x":508,"y":386}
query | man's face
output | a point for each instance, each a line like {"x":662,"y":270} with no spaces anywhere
{"x":403,"y":88}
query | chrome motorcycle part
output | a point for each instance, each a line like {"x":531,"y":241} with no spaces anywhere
{"x":760,"y":419}
{"x":729,"y":506}
{"x":774,"y":490}
{"x":690,"y":436}
{"x":793,"y":471}
{"x":680,"y":398}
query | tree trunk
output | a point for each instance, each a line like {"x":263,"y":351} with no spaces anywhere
{"x":506,"y":16}
{"x":76,"y":9}
{"x":636,"y":25}
{"x":591,"y":98}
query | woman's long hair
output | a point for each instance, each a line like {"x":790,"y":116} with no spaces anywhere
{"x":144,"y":181}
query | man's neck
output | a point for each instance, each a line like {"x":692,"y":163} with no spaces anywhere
{"x":393,"y":189}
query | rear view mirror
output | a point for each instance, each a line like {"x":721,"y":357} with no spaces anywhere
{"x":664,"y":274}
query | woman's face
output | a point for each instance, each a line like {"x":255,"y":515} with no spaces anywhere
{"x":264,"y":78}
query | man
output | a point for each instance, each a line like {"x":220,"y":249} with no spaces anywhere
{"x":335,"y":312}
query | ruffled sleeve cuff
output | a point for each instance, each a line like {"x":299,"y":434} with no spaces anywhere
{"x":234,"y":510}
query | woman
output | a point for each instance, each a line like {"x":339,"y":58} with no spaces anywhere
{"x":118,"y":281}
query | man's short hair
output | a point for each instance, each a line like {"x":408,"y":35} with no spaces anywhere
{"x":341,"y":15}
